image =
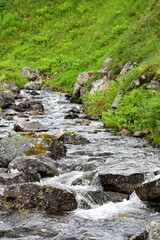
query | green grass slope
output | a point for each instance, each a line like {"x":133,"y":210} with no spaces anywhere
{"x":65,"y":37}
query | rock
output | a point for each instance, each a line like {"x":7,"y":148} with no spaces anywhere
{"x":34,"y":93}
{"x":26,"y":126}
{"x":4,"y":134}
{"x":116,"y":102}
{"x":128,"y":66}
{"x":30,"y":104}
{"x":6,"y":100}
{"x":153,"y":230}
{"x":29,"y":145}
{"x":48,"y":89}
{"x":100,"y":197}
{"x":71,"y":116}
{"x":30,"y":73}
{"x":60,"y":134}
{"x":141,"y":133}
{"x":125,"y":132}
{"x":37,"y":197}
{"x":14,"y":88}
{"x":11,"y":178}
{"x":142,"y":236}
{"x":78,"y":109}
{"x":41,"y":163}
{"x":149,"y":191}
{"x":3,"y":170}
{"x":121,"y":183}
{"x":104,"y":71}
{"x":83,"y":91}
{"x":76,"y":91}
{"x":31,"y":86}
{"x":84,"y":77}
{"x":73,"y":138}
{"x":101,"y":85}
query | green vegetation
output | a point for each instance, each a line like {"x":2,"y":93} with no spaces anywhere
{"x":64,"y":38}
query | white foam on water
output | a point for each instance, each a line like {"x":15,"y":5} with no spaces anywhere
{"x":111,"y":210}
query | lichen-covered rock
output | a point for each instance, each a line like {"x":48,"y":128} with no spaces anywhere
{"x":84,"y":77}
{"x":41,"y":163}
{"x":26,"y":126}
{"x":37,"y":197}
{"x":121,"y":183}
{"x":29,"y":144}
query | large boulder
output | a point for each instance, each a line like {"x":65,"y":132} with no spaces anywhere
{"x":27,"y":126}
{"x":37,"y":197}
{"x":41,"y":163}
{"x":29,"y":145}
{"x":29,"y":104}
{"x":121,"y":183}
{"x":101,"y":85}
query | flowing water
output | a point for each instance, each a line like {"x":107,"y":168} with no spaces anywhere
{"x":106,"y":152}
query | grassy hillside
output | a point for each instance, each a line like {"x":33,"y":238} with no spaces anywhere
{"x":65,"y":37}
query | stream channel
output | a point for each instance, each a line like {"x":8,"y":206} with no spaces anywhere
{"x":107,"y":151}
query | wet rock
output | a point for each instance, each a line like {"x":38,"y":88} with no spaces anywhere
{"x":149,"y":191}
{"x":121,"y":183}
{"x":34,"y":93}
{"x":101,"y":85}
{"x":29,"y":145}
{"x":29,"y":105}
{"x":4,"y":134}
{"x":26,"y":126}
{"x":142,"y":236}
{"x":11,"y":178}
{"x":79,"y":109}
{"x":73,"y":138}
{"x":31,"y":86}
{"x":6,"y":100}
{"x":37,"y":197}
{"x":125,"y":132}
{"x":41,"y":163}
{"x":71,"y":116}
{"x":100,"y":197}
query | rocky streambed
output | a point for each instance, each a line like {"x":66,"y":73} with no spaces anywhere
{"x":64,"y":176}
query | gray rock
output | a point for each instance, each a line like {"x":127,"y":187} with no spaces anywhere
{"x":128,"y":66}
{"x":41,"y":163}
{"x":31,"y":86}
{"x":37,"y":197}
{"x":29,"y":145}
{"x":73,"y":138}
{"x":84,"y":77}
{"x":104,"y":71}
{"x":29,"y":104}
{"x":60,"y":134}
{"x":26,"y":126}
{"x":101,"y":85}
{"x":116,"y":102}
{"x":76,"y":91}
{"x":4,"y":134}
{"x":30,"y":73}
{"x":11,"y":178}
{"x":121,"y":183}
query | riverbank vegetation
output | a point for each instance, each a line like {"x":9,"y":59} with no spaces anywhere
{"x":64,"y":38}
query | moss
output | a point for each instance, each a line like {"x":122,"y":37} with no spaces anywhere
{"x":38,"y":149}
{"x":72,"y":135}
{"x":28,"y":135}
{"x":49,"y":139}
{"x":151,"y":71}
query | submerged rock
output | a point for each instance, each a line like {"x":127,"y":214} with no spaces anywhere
{"x":37,"y":197}
{"x":121,"y":183}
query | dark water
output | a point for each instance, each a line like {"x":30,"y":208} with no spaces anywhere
{"x":106,"y":152}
